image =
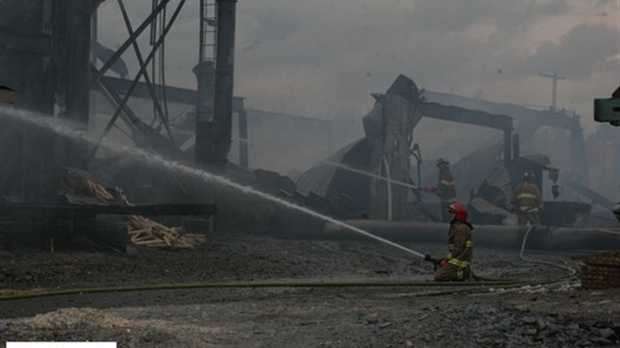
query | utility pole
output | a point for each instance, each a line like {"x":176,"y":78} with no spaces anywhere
{"x":554,"y":78}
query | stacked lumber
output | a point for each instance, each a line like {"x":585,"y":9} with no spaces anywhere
{"x":146,"y":232}
{"x":142,"y":231}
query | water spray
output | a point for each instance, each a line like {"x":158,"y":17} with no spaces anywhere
{"x":64,"y":127}
{"x":375,"y":176}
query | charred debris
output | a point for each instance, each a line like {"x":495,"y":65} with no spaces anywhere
{"x":375,"y":179}
{"x":350,"y":184}
{"x":485,"y":177}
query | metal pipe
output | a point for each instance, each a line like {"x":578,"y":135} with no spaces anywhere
{"x":243,"y":138}
{"x":224,"y":70}
{"x":77,"y":93}
{"x":389,"y":188}
{"x":507,"y":146}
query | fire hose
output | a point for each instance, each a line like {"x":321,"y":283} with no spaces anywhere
{"x":481,"y":284}
{"x":571,"y":272}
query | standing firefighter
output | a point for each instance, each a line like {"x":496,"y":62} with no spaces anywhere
{"x":456,"y":265}
{"x":527,"y":201}
{"x":445,"y":188}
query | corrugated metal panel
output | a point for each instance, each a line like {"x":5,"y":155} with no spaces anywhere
{"x":318,"y":178}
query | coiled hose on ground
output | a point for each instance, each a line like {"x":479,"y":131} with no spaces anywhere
{"x":477,"y":283}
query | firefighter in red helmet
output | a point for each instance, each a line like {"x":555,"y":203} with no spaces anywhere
{"x":456,"y":265}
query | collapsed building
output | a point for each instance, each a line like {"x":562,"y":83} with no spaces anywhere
{"x":376,"y":162}
{"x":491,"y":171}
{"x":372,"y":178}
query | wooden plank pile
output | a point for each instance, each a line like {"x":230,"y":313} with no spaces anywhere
{"x":142,"y":231}
{"x":146,"y":232}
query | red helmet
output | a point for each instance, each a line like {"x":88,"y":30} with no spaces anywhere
{"x":459,"y":210}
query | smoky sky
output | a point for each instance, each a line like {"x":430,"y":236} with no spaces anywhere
{"x":447,"y":15}
{"x":579,"y":52}
{"x":321,"y":58}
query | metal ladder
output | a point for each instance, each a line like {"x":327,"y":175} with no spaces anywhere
{"x":208,"y":30}
{"x":206,"y":54}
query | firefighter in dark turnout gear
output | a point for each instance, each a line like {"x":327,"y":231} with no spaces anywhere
{"x":527,"y":201}
{"x":445,"y":189}
{"x":456,"y":265}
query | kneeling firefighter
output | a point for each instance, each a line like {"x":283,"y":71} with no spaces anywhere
{"x":456,"y":265}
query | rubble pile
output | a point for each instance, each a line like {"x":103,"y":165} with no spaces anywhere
{"x":503,"y":326}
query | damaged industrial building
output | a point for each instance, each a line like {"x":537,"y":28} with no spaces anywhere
{"x":373,"y":180}
{"x":378,"y":177}
{"x":96,"y":156}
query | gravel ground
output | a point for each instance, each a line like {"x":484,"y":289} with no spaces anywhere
{"x":551,"y":315}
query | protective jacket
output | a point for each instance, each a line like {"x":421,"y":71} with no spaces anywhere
{"x":445,"y":187}
{"x":460,"y":246}
{"x":527,"y":201}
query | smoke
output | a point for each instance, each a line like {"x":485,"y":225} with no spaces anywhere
{"x":73,"y":131}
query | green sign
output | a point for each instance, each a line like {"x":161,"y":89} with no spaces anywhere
{"x":607,"y":110}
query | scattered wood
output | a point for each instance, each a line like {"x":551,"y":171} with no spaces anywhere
{"x":141,"y":231}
